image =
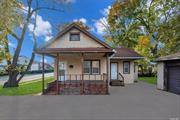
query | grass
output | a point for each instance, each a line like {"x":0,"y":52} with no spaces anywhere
{"x":151,"y":80}
{"x":25,"y":88}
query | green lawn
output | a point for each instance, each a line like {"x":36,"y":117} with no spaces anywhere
{"x":151,"y":80}
{"x":25,"y":88}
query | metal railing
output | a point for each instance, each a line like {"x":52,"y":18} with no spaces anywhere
{"x":79,"y":84}
{"x":121,"y":79}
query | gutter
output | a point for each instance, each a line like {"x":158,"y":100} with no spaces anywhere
{"x":126,"y":57}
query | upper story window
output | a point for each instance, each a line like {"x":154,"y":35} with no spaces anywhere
{"x":74,"y":36}
{"x":126,"y":67}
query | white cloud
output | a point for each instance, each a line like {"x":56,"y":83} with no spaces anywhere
{"x":100,"y":25}
{"x":105,"y":11}
{"x":69,"y":1}
{"x":83,"y":20}
{"x":47,"y":38}
{"x":45,"y":60}
{"x":11,"y":44}
{"x":43,"y":28}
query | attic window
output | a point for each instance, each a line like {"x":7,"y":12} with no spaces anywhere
{"x":74,"y":36}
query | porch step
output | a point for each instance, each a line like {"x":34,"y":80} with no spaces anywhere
{"x":117,"y":83}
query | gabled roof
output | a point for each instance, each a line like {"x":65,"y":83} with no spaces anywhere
{"x":126,"y":53}
{"x":71,"y":26}
{"x":175,"y":56}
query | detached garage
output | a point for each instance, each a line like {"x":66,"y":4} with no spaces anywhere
{"x":168,"y":75}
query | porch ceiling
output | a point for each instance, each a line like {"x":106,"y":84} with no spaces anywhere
{"x":54,"y":51}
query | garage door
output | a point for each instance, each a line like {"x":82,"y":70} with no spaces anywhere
{"x":174,"y":79}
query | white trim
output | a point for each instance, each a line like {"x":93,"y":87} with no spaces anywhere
{"x":126,"y":57}
{"x":165,"y":59}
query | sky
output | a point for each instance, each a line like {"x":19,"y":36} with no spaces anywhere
{"x":90,"y":12}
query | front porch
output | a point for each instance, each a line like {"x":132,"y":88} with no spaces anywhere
{"x":79,"y":85}
{"x":78,"y":72}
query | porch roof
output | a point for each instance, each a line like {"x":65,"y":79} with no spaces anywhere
{"x":74,"y":50}
{"x":126,"y":53}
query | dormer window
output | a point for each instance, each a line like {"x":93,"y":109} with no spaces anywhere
{"x":74,"y":36}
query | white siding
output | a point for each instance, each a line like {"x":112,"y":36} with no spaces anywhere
{"x":160,"y":75}
{"x":136,"y":71}
{"x":128,"y":78}
{"x":64,"y":42}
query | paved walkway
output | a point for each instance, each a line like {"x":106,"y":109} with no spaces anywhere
{"x":138,"y":101}
{"x":26,"y":77}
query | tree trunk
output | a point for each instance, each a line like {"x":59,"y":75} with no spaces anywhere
{"x":12,"y":81}
{"x":142,"y":70}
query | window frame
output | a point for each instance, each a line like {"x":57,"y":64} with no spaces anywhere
{"x":74,"y":33}
{"x":84,"y":67}
{"x":124,"y":62}
{"x":91,"y":71}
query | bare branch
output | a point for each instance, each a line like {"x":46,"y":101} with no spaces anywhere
{"x":46,"y":8}
{"x":13,"y":34}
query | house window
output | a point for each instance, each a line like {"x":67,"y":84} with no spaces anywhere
{"x":92,"y":67}
{"x":95,"y":67}
{"x":74,"y":37}
{"x":87,"y":67}
{"x":126,"y":67}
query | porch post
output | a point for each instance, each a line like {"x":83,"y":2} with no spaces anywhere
{"x":43,"y":74}
{"x":82,"y":64}
{"x":108,"y":73}
{"x":57,"y":70}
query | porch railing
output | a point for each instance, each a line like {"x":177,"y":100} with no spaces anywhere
{"x":79,"y":84}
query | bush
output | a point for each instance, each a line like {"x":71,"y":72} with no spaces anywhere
{"x":147,"y":75}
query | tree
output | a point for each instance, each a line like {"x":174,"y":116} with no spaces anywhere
{"x":143,"y":47}
{"x":169,"y":35}
{"x":80,"y":23}
{"x":8,"y":8}
{"x":132,"y":22}
{"x":27,"y":10}
{"x":123,"y":30}
{"x":150,"y":18}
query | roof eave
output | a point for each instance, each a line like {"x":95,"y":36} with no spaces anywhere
{"x":167,"y":59}
{"x":131,"y":58}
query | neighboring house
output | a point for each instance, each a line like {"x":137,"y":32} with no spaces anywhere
{"x":80,"y":55}
{"x":168,"y":75}
{"x":36,"y":66}
{"x":23,"y":60}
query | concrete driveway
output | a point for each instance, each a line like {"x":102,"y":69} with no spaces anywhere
{"x":138,"y":101}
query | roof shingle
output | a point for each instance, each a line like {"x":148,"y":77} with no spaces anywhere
{"x":175,"y":56}
{"x":126,"y":53}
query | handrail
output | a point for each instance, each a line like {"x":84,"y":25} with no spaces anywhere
{"x":122,"y":81}
{"x":121,"y":76}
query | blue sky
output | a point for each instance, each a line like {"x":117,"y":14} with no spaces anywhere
{"x":88,"y":11}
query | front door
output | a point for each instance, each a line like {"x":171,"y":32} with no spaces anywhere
{"x":62,"y":71}
{"x":114,"y":71}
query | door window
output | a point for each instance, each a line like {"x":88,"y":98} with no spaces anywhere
{"x":114,"y":71}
